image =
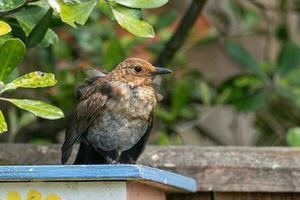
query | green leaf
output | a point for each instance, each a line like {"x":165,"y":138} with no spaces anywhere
{"x":163,"y":114}
{"x":38,"y":108}
{"x":76,"y":13}
{"x":8,"y":5}
{"x":29,"y":18}
{"x":4,"y":28}
{"x":73,"y":1}
{"x":293,"y":137}
{"x":243,"y":58}
{"x":49,"y":39}
{"x":12,"y":52}
{"x":245,"y":92}
{"x":3,"y":125}
{"x":32,"y":80}
{"x":206,"y":94}
{"x":3,"y":38}
{"x":288,"y":58}
{"x":142,"y":3}
{"x":105,"y":8}
{"x":162,"y":139}
{"x":288,"y":86}
{"x":181,"y":95}
{"x":114,"y":54}
{"x":39,"y":31}
{"x":133,"y":12}
{"x":131,"y":23}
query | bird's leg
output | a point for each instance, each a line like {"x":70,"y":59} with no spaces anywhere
{"x":106,"y":156}
{"x":116,"y":159}
{"x":118,"y":155}
{"x":109,"y":160}
{"x":131,"y":161}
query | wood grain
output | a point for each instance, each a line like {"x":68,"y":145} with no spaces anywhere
{"x":197,"y":196}
{"x":220,"y":169}
{"x":257,"y":196}
{"x":234,"y":196}
{"x":138,"y":191}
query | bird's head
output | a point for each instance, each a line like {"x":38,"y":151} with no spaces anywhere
{"x":136,"y":72}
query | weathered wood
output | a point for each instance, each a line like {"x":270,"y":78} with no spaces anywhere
{"x":221,"y":169}
{"x":256,"y":196}
{"x":234,"y":196}
{"x":196,"y":196}
{"x":138,"y":191}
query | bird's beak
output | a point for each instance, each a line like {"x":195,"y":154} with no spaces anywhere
{"x":160,"y":70}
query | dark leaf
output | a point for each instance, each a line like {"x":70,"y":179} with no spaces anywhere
{"x":288,"y":59}
{"x":39,"y":31}
{"x":243,"y":58}
{"x":244,"y":92}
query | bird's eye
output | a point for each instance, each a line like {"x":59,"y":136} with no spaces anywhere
{"x":138,"y":69}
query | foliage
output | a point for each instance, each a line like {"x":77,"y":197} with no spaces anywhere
{"x":12,"y":52}
{"x":30,"y":24}
{"x":293,"y":137}
{"x":269,"y":88}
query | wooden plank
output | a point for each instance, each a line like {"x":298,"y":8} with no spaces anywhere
{"x":196,"y":196}
{"x":162,"y":179}
{"x":138,"y":191}
{"x":228,"y":169}
{"x":241,"y":169}
{"x":234,"y":196}
{"x":257,"y":196}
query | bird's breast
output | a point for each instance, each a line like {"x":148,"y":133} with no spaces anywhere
{"x":136,"y":102}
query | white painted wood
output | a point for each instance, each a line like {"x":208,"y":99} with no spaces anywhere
{"x":64,"y":190}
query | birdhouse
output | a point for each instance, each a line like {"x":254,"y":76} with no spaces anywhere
{"x":90,"y":182}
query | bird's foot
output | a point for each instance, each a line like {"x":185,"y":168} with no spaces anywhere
{"x":114,"y":162}
{"x":131,"y":161}
{"x":111,"y":161}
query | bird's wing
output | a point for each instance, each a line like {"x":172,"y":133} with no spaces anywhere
{"x":91,"y":101}
{"x":131,"y":155}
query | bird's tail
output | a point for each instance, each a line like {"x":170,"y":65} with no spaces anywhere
{"x":88,"y":155}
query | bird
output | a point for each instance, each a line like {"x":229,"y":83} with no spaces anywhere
{"x":114,"y":114}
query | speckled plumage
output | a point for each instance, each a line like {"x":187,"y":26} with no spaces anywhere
{"x":114,"y":116}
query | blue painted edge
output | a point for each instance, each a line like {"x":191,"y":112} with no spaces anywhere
{"x":97,"y":172}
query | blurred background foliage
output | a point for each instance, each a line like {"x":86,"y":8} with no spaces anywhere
{"x":235,"y":81}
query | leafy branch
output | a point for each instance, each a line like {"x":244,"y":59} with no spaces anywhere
{"x":12,"y":52}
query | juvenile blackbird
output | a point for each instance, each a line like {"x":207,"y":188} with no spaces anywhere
{"x":114,"y":115}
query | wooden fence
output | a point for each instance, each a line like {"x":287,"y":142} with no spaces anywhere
{"x":222,"y":173}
